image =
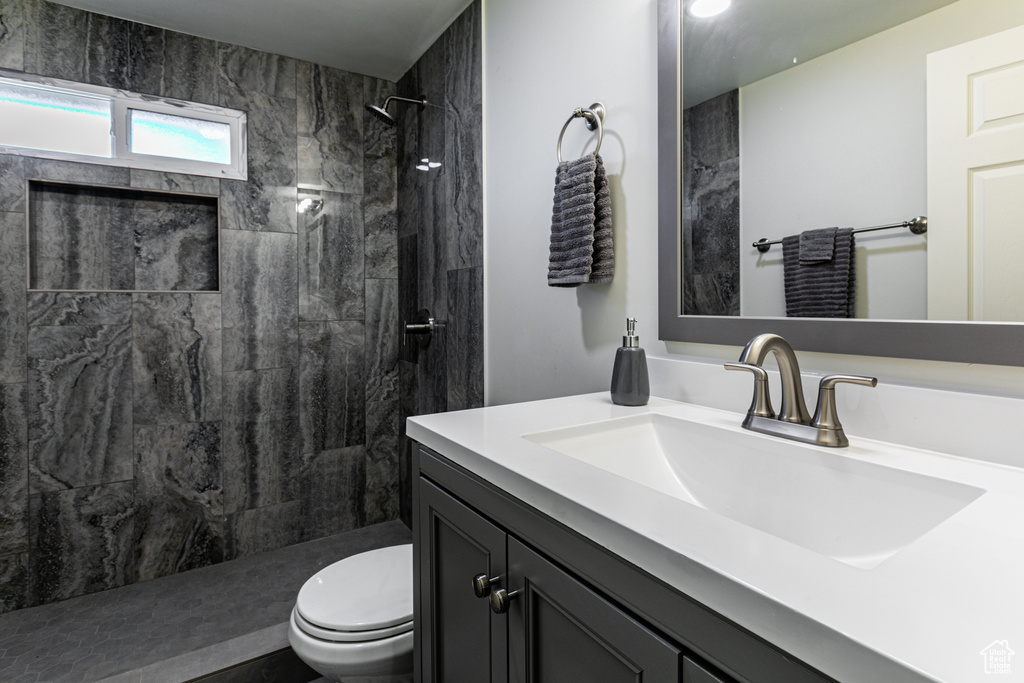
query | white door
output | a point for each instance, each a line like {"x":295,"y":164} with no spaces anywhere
{"x":976,"y":180}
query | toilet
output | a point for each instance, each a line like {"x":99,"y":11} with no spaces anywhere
{"x":352,"y":620}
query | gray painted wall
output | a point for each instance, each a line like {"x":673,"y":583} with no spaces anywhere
{"x":146,"y":434}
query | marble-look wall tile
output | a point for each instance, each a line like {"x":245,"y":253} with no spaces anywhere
{"x":176,"y":358}
{"x":332,"y":492}
{"x":80,"y":238}
{"x":331,"y":386}
{"x":174,"y":182}
{"x":76,"y":45}
{"x":13,"y":469}
{"x":74,"y":308}
{"x":330,"y":128}
{"x":12,"y":298}
{"x":380,"y":183}
{"x":12,"y":183}
{"x":12,"y":36}
{"x":179,"y":522}
{"x":81,"y":541}
{"x":73,"y":172}
{"x":14,"y":576}
{"x":261,"y":456}
{"x":408,"y":294}
{"x":408,"y":379}
{"x":172,"y":64}
{"x":266,"y":528}
{"x":175,"y":242}
{"x":382,"y":473}
{"x":331,"y":260}
{"x":465,"y":337}
{"x":383,"y":339}
{"x":79,"y":406}
{"x":244,"y":72}
{"x":464,"y":188}
{"x":260,"y":301}
{"x":266,"y":200}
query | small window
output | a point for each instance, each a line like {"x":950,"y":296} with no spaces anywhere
{"x":56,"y":119}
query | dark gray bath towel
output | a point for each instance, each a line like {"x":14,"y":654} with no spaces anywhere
{"x":581,"y":225}
{"x":817,"y":245}
{"x":820,"y":289}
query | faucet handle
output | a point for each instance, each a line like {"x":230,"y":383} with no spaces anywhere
{"x":761,"y":404}
{"x":825,"y":416}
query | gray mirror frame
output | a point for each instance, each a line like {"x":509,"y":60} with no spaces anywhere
{"x":965,"y":342}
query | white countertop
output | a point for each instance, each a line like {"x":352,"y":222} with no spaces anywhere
{"x":925,"y":613}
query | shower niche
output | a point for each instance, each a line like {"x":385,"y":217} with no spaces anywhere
{"x":113,"y":239}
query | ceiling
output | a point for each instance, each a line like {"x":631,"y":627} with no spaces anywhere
{"x":755,"y":39}
{"x":380,"y":38}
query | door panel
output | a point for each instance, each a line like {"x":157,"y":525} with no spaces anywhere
{"x":562,"y":631}
{"x":462,"y":639}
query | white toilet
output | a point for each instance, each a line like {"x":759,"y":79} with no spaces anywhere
{"x":352,"y":620}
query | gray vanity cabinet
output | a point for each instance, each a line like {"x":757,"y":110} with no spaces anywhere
{"x":568,"y":610}
{"x":551,"y":628}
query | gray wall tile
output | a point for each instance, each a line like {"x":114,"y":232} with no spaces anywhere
{"x":331,"y":385}
{"x":174,"y":182}
{"x":12,"y":34}
{"x":382,"y":467}
{"x":12,"y":183}
{"x":244,"y":72}
{"x":176,"y":358}
{"x":14,"y":576}
{"x":79,"y":406}
{"x":172,"y":64}
{"x":81,"y":541}
{"x":73,"y":308}
{"x":260,"y":300}
{"x":12,"y":298}
{"x":179,"y":523}
{"x":330,"y":128}
{"x":76,"y":45}
{"x":380,"y":183}
{"x":176,"y":242}
{"x":465,"y":337}
{"x":382,"y":340}
{"x":266,"y":528}
{"x":13,"y":469}
{"x":333,"y":488}
{"x":261,"y":438}
{"x":72,"y":172}
{"x":331,"y":274}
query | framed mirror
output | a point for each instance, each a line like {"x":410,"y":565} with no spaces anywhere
{"x":800,"y":119}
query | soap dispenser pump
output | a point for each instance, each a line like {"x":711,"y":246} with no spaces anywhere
{"x":630,"y":384}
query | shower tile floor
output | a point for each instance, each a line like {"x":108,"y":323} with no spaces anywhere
{"x":177,"y":628}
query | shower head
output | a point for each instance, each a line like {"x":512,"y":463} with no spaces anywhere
{"x":381,"y":112}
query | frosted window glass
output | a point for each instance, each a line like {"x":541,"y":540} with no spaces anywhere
{"x":55,"y":120}
{"x":180,"y":137}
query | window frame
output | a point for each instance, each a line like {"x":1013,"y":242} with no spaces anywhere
{"x":122,"y":102}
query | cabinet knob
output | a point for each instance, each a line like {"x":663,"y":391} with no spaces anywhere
{"x":501,"y":599}
{"x":482,"y":585}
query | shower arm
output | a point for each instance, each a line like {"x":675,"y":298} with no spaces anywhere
{"x":422,"y":102}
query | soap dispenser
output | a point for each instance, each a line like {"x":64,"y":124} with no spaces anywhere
{"x":630,"y":383}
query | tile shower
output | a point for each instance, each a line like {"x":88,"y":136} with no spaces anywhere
{"x":176,"y":409}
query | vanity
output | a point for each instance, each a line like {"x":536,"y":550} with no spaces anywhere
{"x":571,"y":539}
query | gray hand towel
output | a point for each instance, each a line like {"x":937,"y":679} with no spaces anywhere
{"x":580,"y":224}
{"x":824,"y":289}
{"x":817,"y":245}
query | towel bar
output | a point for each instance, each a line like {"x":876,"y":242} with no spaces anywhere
{"x":917,"y":225}
{"x":593,"y":116}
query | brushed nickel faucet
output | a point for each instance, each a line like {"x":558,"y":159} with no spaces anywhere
{"x":793,"y":420}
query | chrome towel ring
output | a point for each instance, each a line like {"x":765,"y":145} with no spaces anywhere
{"x":593,"y":116}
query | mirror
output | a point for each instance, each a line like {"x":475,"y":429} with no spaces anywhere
{"x":856,"y":176}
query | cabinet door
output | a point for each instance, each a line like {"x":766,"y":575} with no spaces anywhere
{"x":460,"y":639}
{"x":560,"y":630}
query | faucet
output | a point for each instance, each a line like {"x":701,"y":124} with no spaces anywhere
{"x":793,"y":421}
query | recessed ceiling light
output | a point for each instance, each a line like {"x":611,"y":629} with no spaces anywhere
{"x":708,"y":8}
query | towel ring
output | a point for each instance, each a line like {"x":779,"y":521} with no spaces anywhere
{"x":593,"y":116}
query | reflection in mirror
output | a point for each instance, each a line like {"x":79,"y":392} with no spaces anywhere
{"x":800,"y":115}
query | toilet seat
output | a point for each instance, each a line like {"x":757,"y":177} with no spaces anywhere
{"x":361,"y":598}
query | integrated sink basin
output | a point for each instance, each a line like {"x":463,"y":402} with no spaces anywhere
{"x":856,"y":512}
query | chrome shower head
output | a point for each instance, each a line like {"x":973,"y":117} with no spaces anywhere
{"x":381,"y":112}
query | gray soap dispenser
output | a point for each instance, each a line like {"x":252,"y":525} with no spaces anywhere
{"x":630,"y":384}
